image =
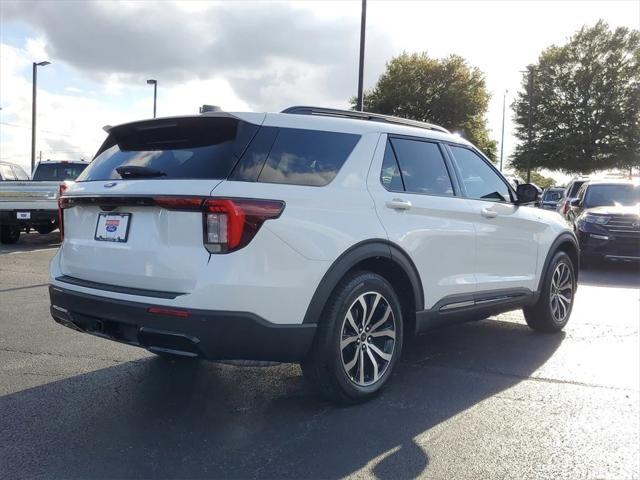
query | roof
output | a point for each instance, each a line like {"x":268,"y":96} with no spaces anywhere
{"x":327,"y":122}
{"x":361,"y":115}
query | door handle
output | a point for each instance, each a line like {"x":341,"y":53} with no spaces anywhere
{"x":398,"y":204}
{"x":487,"y":213}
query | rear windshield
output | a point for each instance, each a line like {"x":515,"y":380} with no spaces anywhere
{"x":58,"y":171}
{"x":552,"y":195}
{"x":196,"y":148}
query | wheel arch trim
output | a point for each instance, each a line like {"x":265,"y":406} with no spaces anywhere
{"x":564,"y":237}
{"x":368,"y":249}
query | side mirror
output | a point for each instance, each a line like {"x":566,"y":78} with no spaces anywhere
{"x":575,"y":202}
{"x":528,"y":193}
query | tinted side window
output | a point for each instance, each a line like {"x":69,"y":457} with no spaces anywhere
{"x":422,"y":167}
{"x":480,"y":180}
{"x":307,"y":157}
{"x":574,"y":188}
{"x":390,"y":174}
{"x":250,"y":165}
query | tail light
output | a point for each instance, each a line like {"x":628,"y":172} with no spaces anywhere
{"x":61,"y":189}
{"x":228,"y":223}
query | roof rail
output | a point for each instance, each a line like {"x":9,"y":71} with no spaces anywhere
{"x":375,"y":117}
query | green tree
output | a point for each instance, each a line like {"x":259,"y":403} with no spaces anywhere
{"x":537,"y":178}
{"x":586,"y":104}
{"x":445,"y":91}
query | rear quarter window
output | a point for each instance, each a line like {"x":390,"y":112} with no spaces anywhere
{"x":307,"y":157}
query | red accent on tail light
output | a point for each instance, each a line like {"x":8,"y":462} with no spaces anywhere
{"x":238,"y":221}
{"x":179,"y":203}
{"x":172,"y":312}
{"x":61,"y":189}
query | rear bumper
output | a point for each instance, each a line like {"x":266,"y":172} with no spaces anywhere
{"x":212,"y":335}
{"x":37,"y":217}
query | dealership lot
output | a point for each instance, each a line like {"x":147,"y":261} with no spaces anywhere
{"x":485,"y":400}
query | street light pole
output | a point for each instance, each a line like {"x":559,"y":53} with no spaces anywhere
{"x":33,"y":110}
{"x":504,"y":103}
{"x":363,"y":24}
{"x":155,"y":93}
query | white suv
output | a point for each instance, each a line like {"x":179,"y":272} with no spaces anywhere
{"x":317,"y":236}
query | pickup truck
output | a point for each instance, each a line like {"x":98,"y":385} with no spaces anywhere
{"x":33,"y":204}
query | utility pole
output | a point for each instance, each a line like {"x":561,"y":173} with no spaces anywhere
{"x":529,"y":124}
{"x":363,"y":24}
{"x":504,"y":103}
{"x":33,"y":110}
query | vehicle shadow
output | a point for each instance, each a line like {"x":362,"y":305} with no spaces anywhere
{"x":611,"y":274}
{"x":154,"y":418}
{"x":29,"y":242}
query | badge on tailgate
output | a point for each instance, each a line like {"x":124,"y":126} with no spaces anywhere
{"x":113,"y":227}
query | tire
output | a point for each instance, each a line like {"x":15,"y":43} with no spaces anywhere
{"x":46,"y":229}
{"x":343,"y":343}
{"x":9,"y":234}
{"x":552,"y":310}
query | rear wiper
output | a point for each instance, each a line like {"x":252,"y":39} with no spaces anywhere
{"x":135,"y":171}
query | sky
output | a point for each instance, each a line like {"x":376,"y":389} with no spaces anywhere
{"x":249,"y":56}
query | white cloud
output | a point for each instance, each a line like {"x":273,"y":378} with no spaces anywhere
{"x":256,"y":55}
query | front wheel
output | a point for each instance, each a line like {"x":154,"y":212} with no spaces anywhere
{"x":358,"y":342}
{"x":552,"y":310}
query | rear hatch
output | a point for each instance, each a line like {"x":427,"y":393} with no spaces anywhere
{"x":134,"y":217}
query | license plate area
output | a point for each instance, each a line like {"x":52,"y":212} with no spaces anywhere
{"x":113,"y":227}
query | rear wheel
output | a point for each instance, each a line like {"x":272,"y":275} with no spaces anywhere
{"x":552,"y":310}
{"x":9,"y":234}
{"x":359,"y":340}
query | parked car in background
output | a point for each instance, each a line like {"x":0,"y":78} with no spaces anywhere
{"x":606,"y":215}
{"x":181,"y":236}
{"x":550,"y":198}
{"x":570,"y":193}
{"x":33,"y":204}
{"x":10,"y":172}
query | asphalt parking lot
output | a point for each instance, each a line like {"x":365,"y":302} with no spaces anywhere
{"x":490,"y":399}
